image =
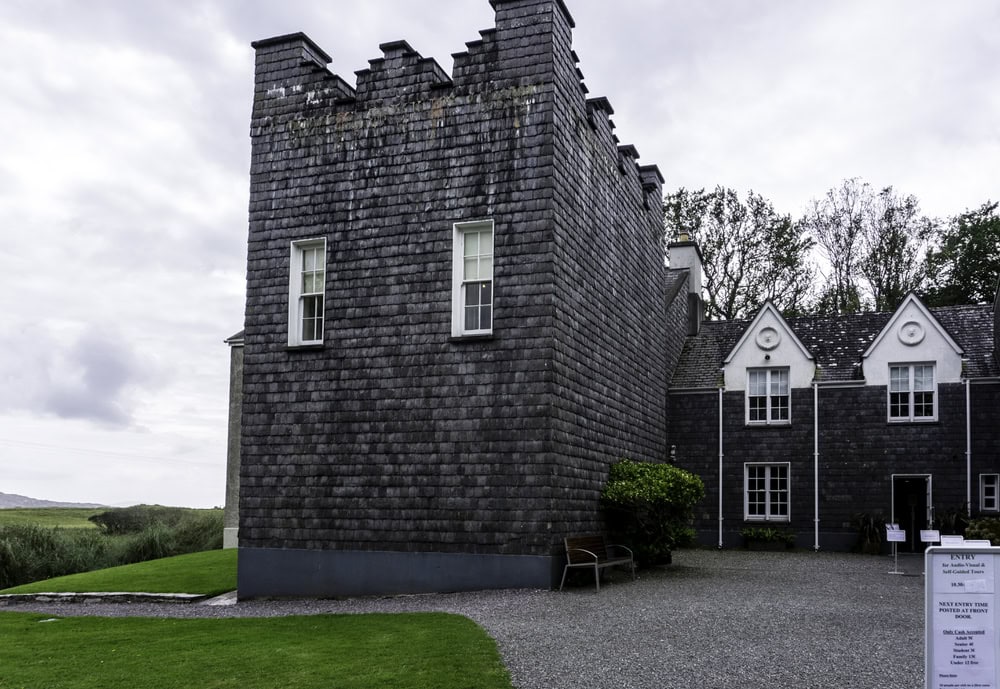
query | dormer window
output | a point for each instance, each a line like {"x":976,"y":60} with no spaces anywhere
{"x":768,"y":397}
{"x":912,"y":393}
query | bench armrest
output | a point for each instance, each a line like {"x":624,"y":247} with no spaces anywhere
{"x":622,"y":547}
{"x":581,"y":550}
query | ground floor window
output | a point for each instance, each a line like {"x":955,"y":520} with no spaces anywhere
{"x":766,"y":492}
{"x":988,"y":497}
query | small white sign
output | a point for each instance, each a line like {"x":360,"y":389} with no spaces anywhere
{"x":952,"y":540}
{"x":895,"y":536}
{"x":929,"y":536}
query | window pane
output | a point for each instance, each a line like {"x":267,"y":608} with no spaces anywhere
{"x":471,"y":244}
{"x":923,"y":378}
{"x":472,"y":269}
{"x":923,"y":404}
{"x":757,"y":410}
{"x":312,"y":318}
{"x":779,"y":382}
{"x":899,"y":378}
{"x":779,"y":408}
{"x":899,"y":405}
{"x":758,"y":383}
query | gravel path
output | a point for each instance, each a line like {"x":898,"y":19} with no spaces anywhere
{"x":729,"y":619}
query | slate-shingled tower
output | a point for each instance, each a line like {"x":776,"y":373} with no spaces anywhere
{"x":391,"y":447}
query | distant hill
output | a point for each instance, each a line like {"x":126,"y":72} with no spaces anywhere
{"x":10,"y":501}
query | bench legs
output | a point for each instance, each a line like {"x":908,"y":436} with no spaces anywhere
{"x":597,"y":576}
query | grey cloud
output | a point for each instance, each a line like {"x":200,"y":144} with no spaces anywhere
{"x":100,"y":370}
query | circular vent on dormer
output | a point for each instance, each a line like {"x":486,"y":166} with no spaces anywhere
{"x":911,"y":333}
{"x":768,"y":338}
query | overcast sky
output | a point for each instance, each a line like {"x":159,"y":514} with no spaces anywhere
{"x":125,"y":157}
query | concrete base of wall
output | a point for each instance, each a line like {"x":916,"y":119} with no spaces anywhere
{"x":230,"y":537}
{"x":273,"y":572}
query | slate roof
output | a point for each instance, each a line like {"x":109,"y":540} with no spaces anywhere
{"x":837,"y":343}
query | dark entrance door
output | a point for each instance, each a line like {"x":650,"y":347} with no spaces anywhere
{"x":910,"y":502}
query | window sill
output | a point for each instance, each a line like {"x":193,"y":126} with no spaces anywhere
{"x":773,"y":424}
{"x":906,"y":422}
{"x":305,"y":347}
{"x":484,"y":337}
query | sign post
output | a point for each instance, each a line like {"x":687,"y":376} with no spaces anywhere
{"x":961,"y":617}
{"x":895,"y":535}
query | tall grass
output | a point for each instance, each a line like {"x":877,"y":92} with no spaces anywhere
{"x":29,"y":552}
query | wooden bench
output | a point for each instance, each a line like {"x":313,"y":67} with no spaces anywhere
{"x":594,"y":552}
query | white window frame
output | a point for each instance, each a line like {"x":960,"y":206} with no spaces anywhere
{"x":772,"y":415}
{"x":461,"y":282}
{"x":299,"y":300}
{"x":772,"y":511}
{"x":911,"y":393}
{"x":989,"y":503}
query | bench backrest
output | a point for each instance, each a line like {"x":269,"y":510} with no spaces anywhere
{"x":596,"y":544}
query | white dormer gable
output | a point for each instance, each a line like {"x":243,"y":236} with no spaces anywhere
{"x":768,"y":342}
{"x":912,"y":336}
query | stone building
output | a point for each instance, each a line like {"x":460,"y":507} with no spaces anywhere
{"x":456,"y":319}
{"x":458,"y":316}
{"x":806,"y":423}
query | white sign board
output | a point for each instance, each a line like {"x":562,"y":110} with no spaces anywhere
{"x":961,"y":618}
{"x":929,"y":536}
{"x":895,"y":536}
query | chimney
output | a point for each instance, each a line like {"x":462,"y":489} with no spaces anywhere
{"x":684,"y":254}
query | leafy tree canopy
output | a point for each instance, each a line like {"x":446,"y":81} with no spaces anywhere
{"x":752,"y":254}
{"x":963,"y":266}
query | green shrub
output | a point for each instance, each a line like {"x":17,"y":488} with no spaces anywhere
{"x":31,"y":552}
{"x":154,"y":542}
{"x":952,"y":520}
{"x":871,"y":532}
{"x":984,"y":529}
{"x":198,"y":532}
{"x":768,"y":534}
{"x":650,"y":507}
{"x":136,"y":519}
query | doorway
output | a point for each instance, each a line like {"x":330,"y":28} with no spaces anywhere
{"x":911,"y":508}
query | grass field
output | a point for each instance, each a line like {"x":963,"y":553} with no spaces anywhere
{"x":48,"y":517}
{"x":210,"y":573}
{"x":409,"y":651}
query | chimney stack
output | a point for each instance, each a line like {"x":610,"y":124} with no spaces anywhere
{"x":684,"y":254}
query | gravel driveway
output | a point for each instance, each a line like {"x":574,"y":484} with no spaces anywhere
{"x":727,"y":619}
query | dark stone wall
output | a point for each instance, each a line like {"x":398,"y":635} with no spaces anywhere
{"x":609,"y":362}
{"x":859,"y":451}
{"x":394,"y":436}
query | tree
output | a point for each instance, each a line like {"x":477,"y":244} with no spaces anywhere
{"x":752,"y":253}
{"x":964,"y":265}
{"x":894,"y":242}
{"x":873,"y":243}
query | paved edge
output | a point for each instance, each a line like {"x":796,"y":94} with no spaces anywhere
{"x":102,"y":597}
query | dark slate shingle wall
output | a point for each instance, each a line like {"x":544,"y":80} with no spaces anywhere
{"x":393,"y":436}
{"x":609,"y":365}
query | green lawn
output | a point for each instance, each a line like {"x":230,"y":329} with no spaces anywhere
{"x":48,"y":517}
{"x":210,"y":572}
{"x":417,"y":651}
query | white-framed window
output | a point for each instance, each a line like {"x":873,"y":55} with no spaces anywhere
{"x":912,"y":392}
{"x":306,"y":292}
{"x":768,"y":396}
{"x":766,"y":492}
{"x":472,"y":278}
{"x":989,"y":492}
